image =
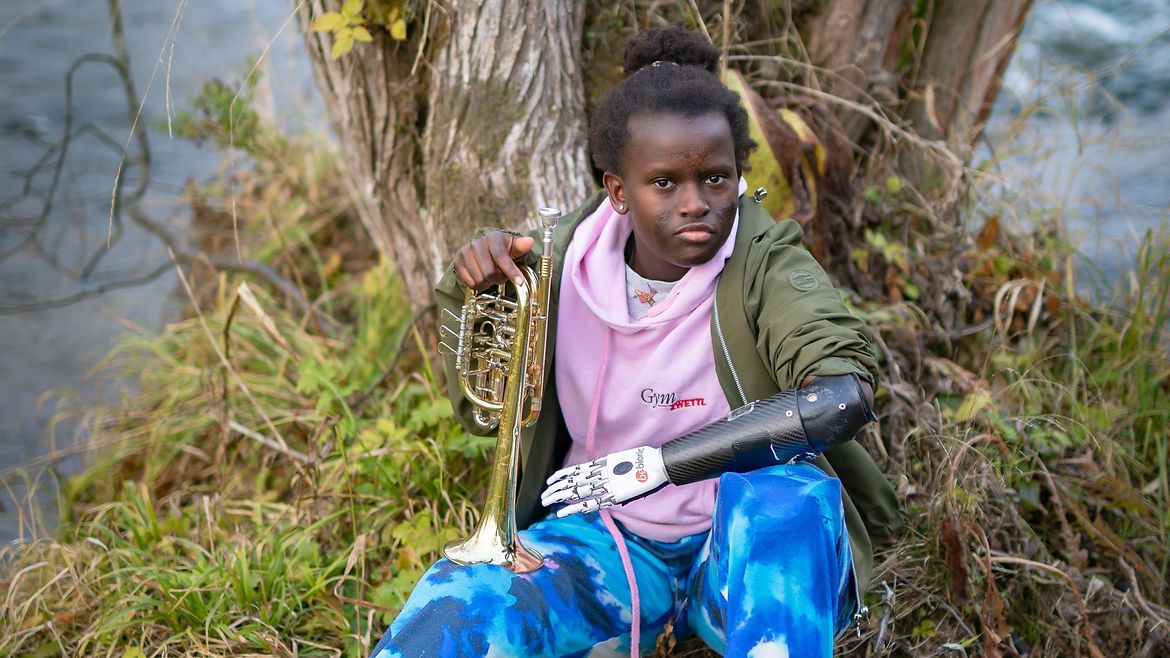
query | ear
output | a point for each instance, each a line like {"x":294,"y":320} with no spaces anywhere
{"x":617,"y":192}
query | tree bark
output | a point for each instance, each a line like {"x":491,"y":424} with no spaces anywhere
{"x":852,"y":40}
{"x":477,"y":118}
{"x":506,"y":129}
{"x":959,"y":51}
{"x":373,"y":97}
{"x":968,"y":46}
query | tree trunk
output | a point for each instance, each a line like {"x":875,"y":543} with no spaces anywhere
{"x":958,"y":51}
{"x":475,"y":119}
{"x":967,"y":49}
{"x":373,"y":97}
{"x":506,"y":128}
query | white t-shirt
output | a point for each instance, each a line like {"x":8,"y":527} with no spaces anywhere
{"x":642,"y":293}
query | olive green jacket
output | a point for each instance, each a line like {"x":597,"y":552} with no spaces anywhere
{"x":776,"y":320}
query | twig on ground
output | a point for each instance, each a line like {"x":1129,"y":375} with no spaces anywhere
{"x":230,"y":368}
{"x":263,"y":440}
{"x":879,"y":644}
{"x":1080,"y":601}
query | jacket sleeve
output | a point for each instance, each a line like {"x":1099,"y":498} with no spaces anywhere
{"x":803,"y":327}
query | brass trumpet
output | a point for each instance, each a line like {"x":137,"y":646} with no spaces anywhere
{"x":499,"y":355}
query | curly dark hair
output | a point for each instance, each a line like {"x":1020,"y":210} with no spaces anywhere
{"x":668,"y":70}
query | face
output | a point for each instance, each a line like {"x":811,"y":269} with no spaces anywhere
{"x":679,"y":184}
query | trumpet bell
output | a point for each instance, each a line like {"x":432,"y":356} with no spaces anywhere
{"x":489,"y":545}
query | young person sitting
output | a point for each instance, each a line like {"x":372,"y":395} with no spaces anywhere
{"x":676,"y":302}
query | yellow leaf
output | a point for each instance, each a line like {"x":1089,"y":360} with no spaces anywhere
{"x":810,"y":182}
{"x":332,"y":264}
{"x":330,"y":21}
{"x":398,"y":30}
{"x":352,"y":9}
{"x":798,"y":125}
{"x":972,"y":405}
{"x":765,"y":170}
{"x":343,"y":44}
{"x":362,"y":34}
{"x":806,"y":135}
{"x":133,"y":652}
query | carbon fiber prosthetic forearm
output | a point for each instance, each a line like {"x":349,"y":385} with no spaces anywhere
{"x":824,"y":414}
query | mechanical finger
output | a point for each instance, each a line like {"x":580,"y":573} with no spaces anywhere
{"x":584,"y":506}
{"x":563,"y":474}
{"x":556,"y":487}
{"x":552,"y":493}
{"x":583,"y":491}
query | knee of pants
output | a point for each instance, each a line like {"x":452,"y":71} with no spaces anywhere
{"x":780,"y":495}
{"x":777,"y":564}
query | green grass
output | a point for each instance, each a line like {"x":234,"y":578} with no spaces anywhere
{"x":1036,"y":479}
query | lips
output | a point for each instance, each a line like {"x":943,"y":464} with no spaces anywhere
{"x":696,"y":232}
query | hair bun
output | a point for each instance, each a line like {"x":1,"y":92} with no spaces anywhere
{"x":670,"y":44}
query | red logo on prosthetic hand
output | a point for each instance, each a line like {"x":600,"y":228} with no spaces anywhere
{"x":642,"y":476}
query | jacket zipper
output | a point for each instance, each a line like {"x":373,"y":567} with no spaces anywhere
{"x":862,"y":611}
{"x":727,"y":355}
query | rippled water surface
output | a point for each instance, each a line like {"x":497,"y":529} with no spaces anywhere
{"x":1099,"y":149}
{"x":40,"y":40}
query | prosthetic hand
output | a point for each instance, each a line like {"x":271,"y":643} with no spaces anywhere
{"x":610,"y":480}
{"x":790,"y":425}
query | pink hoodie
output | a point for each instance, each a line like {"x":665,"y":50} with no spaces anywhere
{"x":625,"y":383}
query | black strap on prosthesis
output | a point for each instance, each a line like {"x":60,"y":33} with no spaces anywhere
{"x":792,"y":423}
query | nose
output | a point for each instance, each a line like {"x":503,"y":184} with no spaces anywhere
{"x":693,"y":203}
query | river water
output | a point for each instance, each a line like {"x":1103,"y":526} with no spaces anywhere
{"x":54,"y":349}
{"x":1109,"y":168}
{"x":1097,"y":151}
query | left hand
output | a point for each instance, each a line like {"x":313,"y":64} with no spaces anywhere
{"x":610,"y":480}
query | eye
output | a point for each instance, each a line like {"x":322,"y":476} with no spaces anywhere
{"x":662,"y":183}
{"x":716,"y":179}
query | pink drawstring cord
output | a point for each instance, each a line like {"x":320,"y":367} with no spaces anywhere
{"x":619,"y":540}
{"x":628,"y":566}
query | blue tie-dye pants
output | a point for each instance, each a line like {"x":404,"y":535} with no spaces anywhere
{"x":773,"y":577}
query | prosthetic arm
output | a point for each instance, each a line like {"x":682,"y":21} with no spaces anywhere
{"x":787,"y":426}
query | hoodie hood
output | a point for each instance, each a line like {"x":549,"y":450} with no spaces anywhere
{"x":596,"y":268}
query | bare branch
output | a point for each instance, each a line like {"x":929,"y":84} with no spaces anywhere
{"x":82,"y":295}
{"x":54,"y":160}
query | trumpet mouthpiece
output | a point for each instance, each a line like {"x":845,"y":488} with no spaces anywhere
{"x":549,"y":216}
